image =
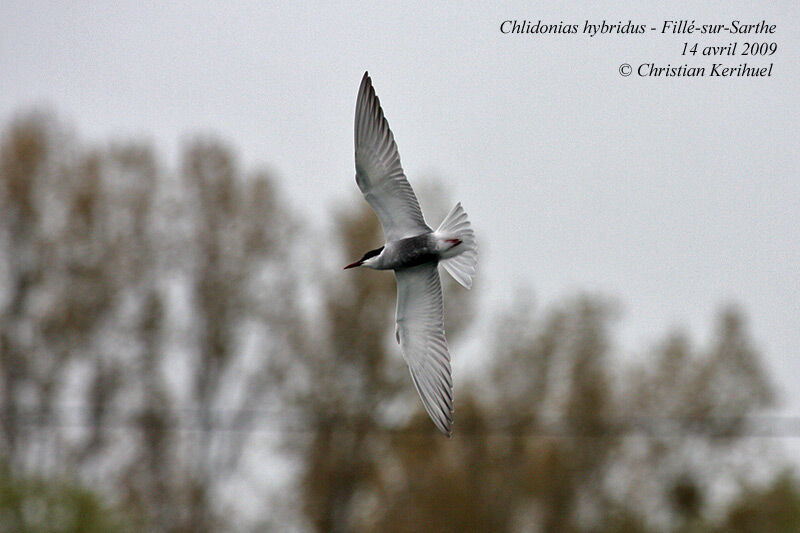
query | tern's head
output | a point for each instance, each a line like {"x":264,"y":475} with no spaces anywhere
{"x":370,"y":259}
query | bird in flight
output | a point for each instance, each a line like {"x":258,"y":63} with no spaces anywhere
{"x":414,"y":251}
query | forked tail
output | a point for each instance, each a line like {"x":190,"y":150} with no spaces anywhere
{"x":456,"y":226}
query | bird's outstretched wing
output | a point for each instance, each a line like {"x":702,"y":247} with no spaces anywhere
{"x":420,"y":332}
{"x":378,"y":171}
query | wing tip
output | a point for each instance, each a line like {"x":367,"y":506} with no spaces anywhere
{"x":367,"y":103}
{"x":445,"y":427}
{"x":366,"y":82}
{"x":449,"y":428}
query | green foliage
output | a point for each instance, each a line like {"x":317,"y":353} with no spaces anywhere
{"x":771,"y":509}
{"x":48,"y":505}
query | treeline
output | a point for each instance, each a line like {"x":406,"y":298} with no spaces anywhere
{"x":161,"y":353}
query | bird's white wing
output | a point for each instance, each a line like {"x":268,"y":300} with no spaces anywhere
{"x":378,"y":171}
{"x":420,"y":332}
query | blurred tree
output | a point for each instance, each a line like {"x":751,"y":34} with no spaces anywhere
{"x":55,"y":289}
{"x":242,"y":277}
{"x":687,"y":407}
{"x":103,"y":258}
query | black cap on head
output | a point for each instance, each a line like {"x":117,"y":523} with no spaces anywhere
{"x":372,"y":253}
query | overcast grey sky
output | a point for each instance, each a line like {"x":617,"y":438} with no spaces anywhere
{"x":674,"y":195}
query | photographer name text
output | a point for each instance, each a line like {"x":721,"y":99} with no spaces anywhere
{"x":744,"y":52}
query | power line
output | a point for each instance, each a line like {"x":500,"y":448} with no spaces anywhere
{"x":287,"y":420}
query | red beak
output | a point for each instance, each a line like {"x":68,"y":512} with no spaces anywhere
{"x":352,"y":265}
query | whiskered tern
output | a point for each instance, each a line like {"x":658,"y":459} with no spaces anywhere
{"x":414,"y":251}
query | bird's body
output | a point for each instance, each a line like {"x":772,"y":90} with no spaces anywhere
{"x":414,"y":251}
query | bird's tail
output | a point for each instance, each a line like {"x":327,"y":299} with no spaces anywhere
{"x":456,"y":226}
